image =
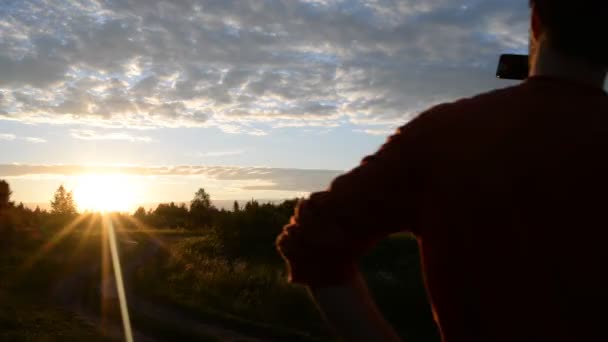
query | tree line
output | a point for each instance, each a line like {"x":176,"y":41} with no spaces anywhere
{"x":250,"y":229}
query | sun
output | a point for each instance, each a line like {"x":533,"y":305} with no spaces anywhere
{"x":105,"y":192}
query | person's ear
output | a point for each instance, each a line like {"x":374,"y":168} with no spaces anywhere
{"x":537,"y":27}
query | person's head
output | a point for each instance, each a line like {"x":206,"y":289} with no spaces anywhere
{"x":575,"y":28}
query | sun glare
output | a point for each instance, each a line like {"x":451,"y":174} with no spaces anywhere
{"x":105,"y":193}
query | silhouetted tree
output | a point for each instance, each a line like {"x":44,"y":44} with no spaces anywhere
{"x":170,"y":216}
{"x":201,"y":209}
{"x":5,"y":194}
{"x":252,"y":205}
{"x":140,"y":214}
{"x":201,"y":200}
{"x":250,"y":233}
{"x":6,"y":215}
{"x":235,"y":207}
{"x":63,"y":202}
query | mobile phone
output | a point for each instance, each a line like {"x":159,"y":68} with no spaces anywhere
{"x":513,"y":67}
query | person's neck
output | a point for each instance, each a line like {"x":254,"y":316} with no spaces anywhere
{"x":554,"y":64}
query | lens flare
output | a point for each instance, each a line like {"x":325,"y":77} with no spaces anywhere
{"x":120,"y":287}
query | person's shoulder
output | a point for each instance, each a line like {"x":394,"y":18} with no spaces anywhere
{"x":493,"y":99}
{"x":465,"y":115}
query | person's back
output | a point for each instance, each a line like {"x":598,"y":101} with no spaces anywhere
{"x":515,"y":220}
{"x":504,"y":191}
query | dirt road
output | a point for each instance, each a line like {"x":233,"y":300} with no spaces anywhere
{"x":70,"y":292}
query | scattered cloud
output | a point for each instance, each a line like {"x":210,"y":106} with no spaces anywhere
{"x":376,"y":131}
{"x":12,"y":137}
{"x":35,"y":140}
{"x":247,"y":67}
{"x":85,"y":134}
{"x":244,"y":178}
{"x":7,"y":136}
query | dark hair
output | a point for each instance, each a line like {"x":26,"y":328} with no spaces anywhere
{"x":576,"y":27}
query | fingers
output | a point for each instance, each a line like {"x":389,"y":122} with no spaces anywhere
{"x":297,"y":240}
{"x":289,"y":240}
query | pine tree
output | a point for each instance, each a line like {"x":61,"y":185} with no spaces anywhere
{"x":63,"y":202}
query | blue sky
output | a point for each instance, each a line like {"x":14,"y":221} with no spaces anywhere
{"x":295,"y":85}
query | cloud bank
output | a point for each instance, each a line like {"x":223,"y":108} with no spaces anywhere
{"x":244,"y":178}
{"x":247,"y":67}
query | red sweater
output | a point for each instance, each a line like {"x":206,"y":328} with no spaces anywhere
{"x":507,"y":193}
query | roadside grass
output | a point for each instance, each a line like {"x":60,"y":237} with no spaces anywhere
{"x":195,"y":276}
{"x":199,"y":277}
{"x":27,"y":312}
{"x":27,"y":319}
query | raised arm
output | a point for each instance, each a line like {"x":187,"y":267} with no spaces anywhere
{"x":333,"y":229}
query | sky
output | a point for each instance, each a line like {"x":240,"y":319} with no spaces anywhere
{"x":259,"y":99}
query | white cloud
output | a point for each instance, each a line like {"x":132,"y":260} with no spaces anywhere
{"x":376,"y":131}
{"x":85,"y":134}
{"x":35,"y":140}
{"x":7,"y":136}
{"x":11,"y":137}
{"x":247,"y":67}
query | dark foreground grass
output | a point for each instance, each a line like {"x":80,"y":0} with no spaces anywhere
{"x":196,"y":279}
{"x":196,"y":274}
{"x":24,"y":320}
{"x":27,"y":311}
{"x":31,"y":310}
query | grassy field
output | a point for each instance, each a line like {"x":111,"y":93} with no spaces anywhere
{"x":190,"y":276}
{"x":26,"y":318}
{"x":194,"y":273}
{"x":28,"y":311}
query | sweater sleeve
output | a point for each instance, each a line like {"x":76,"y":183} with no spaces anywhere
{"x":332,"y":229}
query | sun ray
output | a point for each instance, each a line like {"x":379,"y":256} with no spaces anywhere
{"x":119,"y":224}
{"x":85,"y":235}
{"x":120,"y":287}
{"x":149,"y":232}
{"x":105,"y":298}
{"x":49,"y":245}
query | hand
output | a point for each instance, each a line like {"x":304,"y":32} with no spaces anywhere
{"x":296,"y":240}
{"x":352,"y":313}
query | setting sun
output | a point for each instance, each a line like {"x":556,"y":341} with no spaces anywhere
{"x":105,"y":193}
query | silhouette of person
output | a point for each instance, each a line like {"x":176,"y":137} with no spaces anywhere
{"x":505,"y":192}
